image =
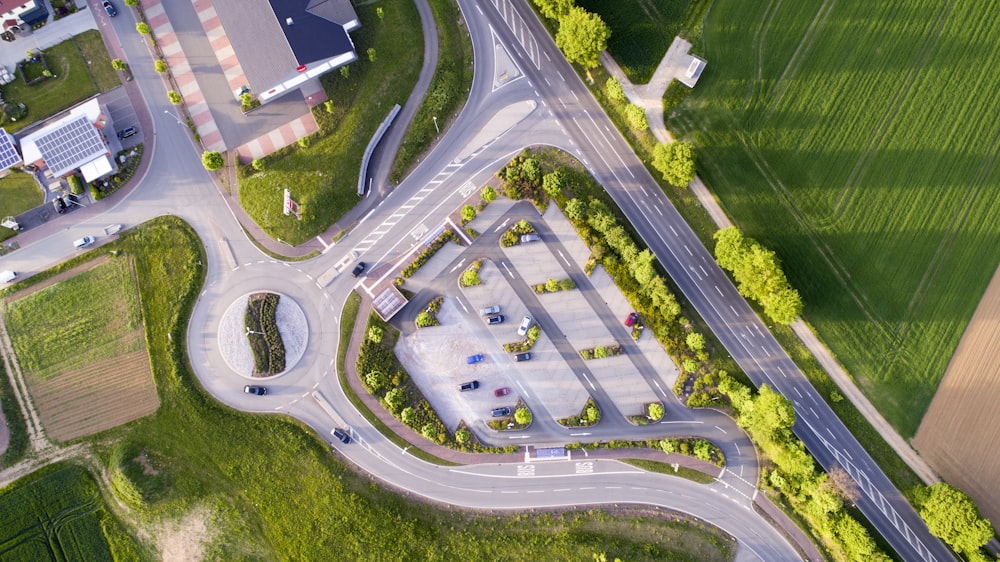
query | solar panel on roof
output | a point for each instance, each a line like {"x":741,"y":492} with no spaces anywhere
{"x":8,"y":152}
{"x":70,"y":145}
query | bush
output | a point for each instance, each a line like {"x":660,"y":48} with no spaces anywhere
{"x":408,"y":416}
{"x":304,"y":142}
{"x":689,"y":365}
{"x":636,"y":117}
{"x":143,"y":28}
{"x":75,"y":184}
{"x":174,"y":97}
{"x":376,"y":381}
{"x":425,"y":319}
{"x":463,"y":435}
{"x":427,"y":254}
{"x":395,"y":400}
{"x":470,"y":277}
{"x":468,"y":213}
{"x":551,"y":285}
{"x":488,"y":194}
{"x":508,"y":239}
{"x":258,"y":164}
{"x":695,"y":342}
{"x":655,"y":411}
{"x":613,"y":89}
{"x":429,"y":431}
{"x":567,"y":284}
{"x":522,"y":416}
{"x":212,"y":160}
{"x":160,"y":66}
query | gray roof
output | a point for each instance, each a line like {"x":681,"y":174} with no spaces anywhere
{"x":71,"y":145}
{"x":270,"y":49}
{"x":8,"y":152}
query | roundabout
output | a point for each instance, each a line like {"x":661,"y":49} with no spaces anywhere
{"x":234,"y":335}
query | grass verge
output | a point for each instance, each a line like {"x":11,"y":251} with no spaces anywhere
{"x":18,"y":193}
{"x":323,"y":177}
{"x":448,"y":90}
{"x":665,"y":468}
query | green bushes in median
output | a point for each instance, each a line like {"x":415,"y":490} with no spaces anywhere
{"x":428,"y":253}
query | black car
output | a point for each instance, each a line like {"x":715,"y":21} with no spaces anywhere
{"x":109,"y":8}
{"x":471,"y":385}
{"x":526,"y":356}
{"x":501,"y":412}
{"x":126,"y":133}
{"x":59,"y":205}
{"x":495,"y":319}
{"x":255,"y":390}
{"x":342,"y":435}
{"x":359,"y":269}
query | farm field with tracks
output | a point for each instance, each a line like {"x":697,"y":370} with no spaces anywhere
{"x":860,"y":141}
{"x":79,"y":342}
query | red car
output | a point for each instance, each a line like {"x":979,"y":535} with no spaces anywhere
{"x":632,"y":317}
{"x":501,"y":392}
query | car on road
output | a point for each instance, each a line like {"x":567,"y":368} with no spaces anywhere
{"x":126,"y":133}
{"x":495,"y":319}
{"x":342,"y":435}
{"x":474,"y":358}
{"x":83,"y":242}
{"x":471,"y":385}
{"x":109,"y":8}
{"x":59,"y":205}
{"x":501,"y":392}
{"x":525,"y":238}
{"x":490,"y":310}
{"x":501,"y":412}
{"x":526,"y":356}
{"x":359,"y":269}
{"x":522,"y":330}
{"x":254,"y":389}
{"x":631,"y":319}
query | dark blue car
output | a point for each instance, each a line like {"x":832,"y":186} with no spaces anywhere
{"x":474,"y":358}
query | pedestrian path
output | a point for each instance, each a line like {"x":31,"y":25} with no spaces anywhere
{"x":180,"y":68}
{"x":278,"y":138}
{"x":223,"y":49}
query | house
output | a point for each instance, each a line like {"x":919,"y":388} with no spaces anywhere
{"x":9,"y":156}
{"x":73,"y":142}
{"x":19,"y":14}
{"x":280,"y":44}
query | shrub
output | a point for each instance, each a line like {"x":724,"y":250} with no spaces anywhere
{"x":328,"y":106}
{"x":258,"y":164}
{"x":376,"y":381}
{"x":689,"y":365}
{"x":75,"y":184}
{"x":395,"y":400}
{"x":551,"y":285}
{"x":143,"y":28}
{"x":470,"y":277}
{"x":118,"y":64}
{"x":508,"y":239}
{"x":488,"y":194}
{"x":567,"y":284}
{"x":468,"y":213}
{"x":375,"y":334}
{"x":160,"y":66}
{"x":522,"y":416}
{"x":592,"y":414}
{"x":463,"y":435}
{"x":600,"y":352}
{"x":695,"y":341}
{"x":304,"y":142}
{"x":212,"y":160}
{"x":575,"y":210}
{"x":655,"y":411}
{"x":408,"y":416}
{"x":429,"y":431}
{"x":613,"y":89}
{"x":636,"y":117}
{"x":174,"y":97}
{"x":426,"y":319}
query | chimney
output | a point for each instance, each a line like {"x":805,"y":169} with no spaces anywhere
{"x":288,"y":21}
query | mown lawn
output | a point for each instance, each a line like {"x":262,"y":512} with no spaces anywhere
{"x":71,"y":82}
{"x":275,"y":491}
{"x":18,"y":193}
{"x":853,"y":140}
{"x":324,"y":177}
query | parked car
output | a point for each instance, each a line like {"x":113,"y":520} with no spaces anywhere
{"x":359,"y":269}
{"x":630,"y":320}
{"x":342,"y":435}
{"x":83,"y":242}
{"x":7,"y":276}
{"x":501,"y":392}
{"x":525,"y":238}
{"x":495,"y":319}
{"x":471,"y":385}
{"x":59,"y":205}
{"x":501,"y":412}
{"x":109,"y":8}
{"x":474,"y":358}
{"x":522,"y":330}
{"x":490,"y":310}
{"x":254,"y":389}
{"x":126,"y":133}
{"x":526,"y":356}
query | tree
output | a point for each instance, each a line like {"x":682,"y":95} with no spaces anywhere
{"x":613,"y":89}
{"x":551,"y":285}
{"x":695,"y":342}
{"x":642,"y":267}
{"x":582,"y":36}
{"x":376,"y":381}
{"x":758,"y":274}
{"x":675,"y":161}
{"x":462,"y":435}
{"x":655,"y":411}
{"x":470,"y":278}
{"x":554,"y":9}
{"x":953,"y":517}
{"x":143,"y":28}
{"x":576,"y":210}
{"x":371,"y":54}
{"x":488,"y":194}
{"x":395,"y":400}
{"x":160,"y":66}
{"x":522,"y":416}
{"x":408,"y":416}
{"x":131,"y":3}
{"x":567,"y":284}
{"x":118,"y":64}
{"x":174,"y":97}
{"x":531,"y":169}
{"x":636,"y":117}
{"x":592,"y":414}
{"x":552,"y":184}
{"x":375,"y":334}
{"x":212,"y":160}
{"x":468,"y":213}
{"x":429,"y":431}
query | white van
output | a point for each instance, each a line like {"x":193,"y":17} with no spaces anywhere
{"x":84,"y":242}
{"x":7,"y":276}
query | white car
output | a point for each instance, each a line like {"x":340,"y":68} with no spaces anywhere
{"x":522,"y":330}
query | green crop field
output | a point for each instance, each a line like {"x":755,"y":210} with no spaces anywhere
{"x":859,"y":140}
{"x":58,"y":514}
{"x":80,"y":320}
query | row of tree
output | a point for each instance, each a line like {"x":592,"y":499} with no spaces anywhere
{"x":758,"y":274}
{"x":582,"y":35}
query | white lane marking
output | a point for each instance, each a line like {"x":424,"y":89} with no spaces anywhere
{"x":672,"y":229}
{"x":564,"y":258}
{"x":797,"y":391}
{"x":457,"y":266}
{"x":720,"y":429}
{"x":509,"y":272}
{"x":737,"y":448}
{"x":576,"y":434}
{"x":688,"y":250}
{"x":658,"y":211}
{"x":719,"y":290}
{"x":584,"y":375}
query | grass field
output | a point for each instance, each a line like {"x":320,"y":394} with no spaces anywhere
{"x":274,"y":490}
{"x":73,"y":80}
{"x":59,"y":514}
{"x":18,"y":193}
{"x":324,"y":177}
{"x":854,"y":139}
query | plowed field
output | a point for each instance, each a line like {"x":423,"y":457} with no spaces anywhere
{"x":960,"y":433}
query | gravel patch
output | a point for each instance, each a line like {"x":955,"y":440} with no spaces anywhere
{"x":233,"y":342}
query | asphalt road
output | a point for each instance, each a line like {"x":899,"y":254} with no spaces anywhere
{"x":564,"y":116}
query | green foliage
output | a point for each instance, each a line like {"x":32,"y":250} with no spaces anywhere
{"x":488,"y":194}
{"x":259,"y":164}
{"x":695,"y":341}
{"x":380,"y":13}
{"x":212,"y":160}
{"x":567,"y":284}
{"x":552,"y":285}
{"x":575,"y":209}
{"x":131,"y":3}
{"x":408,"y":416}
{"x":118,"y":64}
{"x":613,"y":89}
{"x":263,"y":335}
{"x":428,"y":253}
{"x":174,"y":97}
{"x":636,"y":117}
{"x":328,"y":106}
{"x":160,"y":66}
{"x":375,"y":334}
{"x":426,"y":319}
{"x":952,"y":516}
{"x":470,"y":277}
{"x":522,"y":416}
{"x":429,"y":431}
{"x":655,"y":411}
{"x":675,"y":161}
{"x":552,"y":184}
{"x":758,"y":274}
{"x":463,"y":435}
{"x":395,"y":400}
{"x":582,"y":36}
{"x":676,"y":93}
{"x":345,"y":71}
{"x":468,"y":213}
{"x":554,"y":9}
{"x":371,"y":54}
{"x":143,"y":28}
